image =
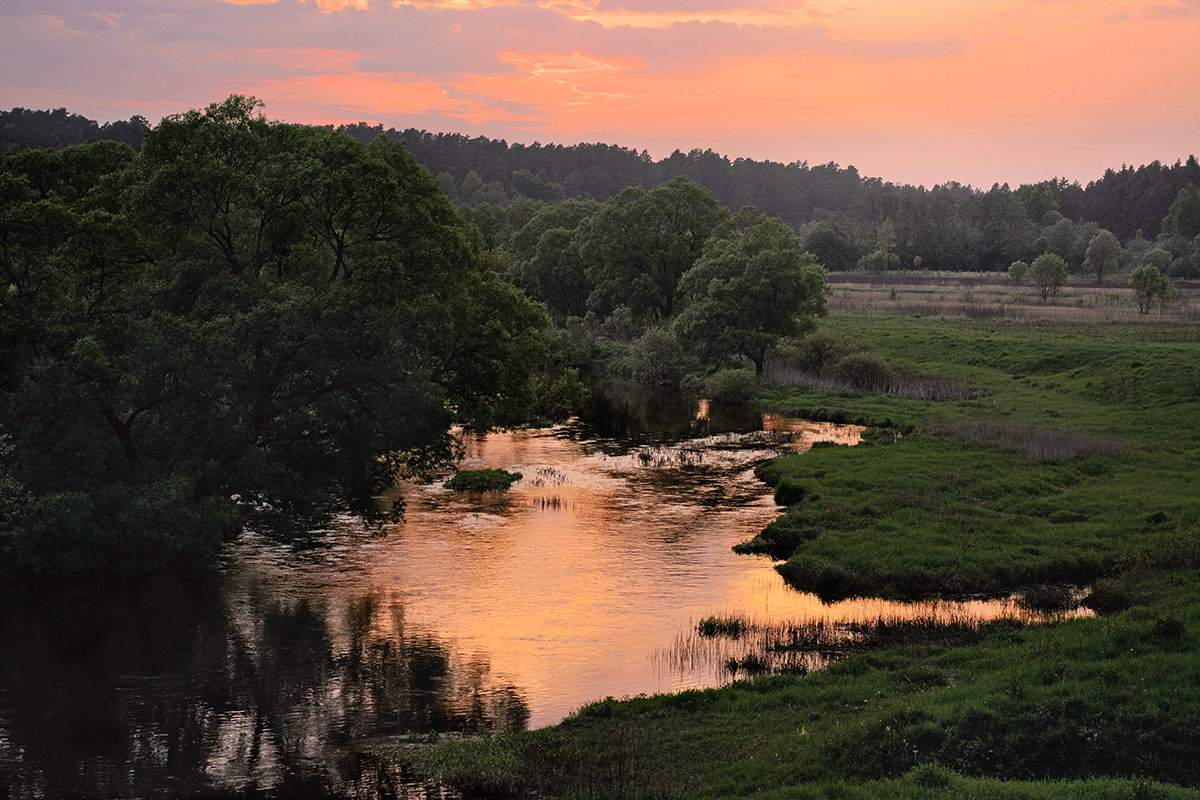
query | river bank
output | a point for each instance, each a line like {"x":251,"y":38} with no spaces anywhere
{"x":968,"y":499}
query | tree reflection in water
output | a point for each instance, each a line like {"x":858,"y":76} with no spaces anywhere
{"x":185,"y":691}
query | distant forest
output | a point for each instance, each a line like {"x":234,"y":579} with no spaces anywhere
{"x":847,"y":220}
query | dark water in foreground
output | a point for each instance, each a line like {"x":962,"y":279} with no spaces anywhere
{"x":478,"y":613}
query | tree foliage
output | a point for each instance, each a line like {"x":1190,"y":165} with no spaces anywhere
{"x":252,"y":310}
{"x":749,"y":290}
{"x":1049,"y":274}
{"x":1103,"y":255}
{"x":640,"y":243}
{"x":1149,"y":285}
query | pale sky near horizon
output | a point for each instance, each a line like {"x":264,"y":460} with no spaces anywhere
{"x":920,"y":92}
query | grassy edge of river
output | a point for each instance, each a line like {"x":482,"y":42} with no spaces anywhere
{"x":1074,"y":459}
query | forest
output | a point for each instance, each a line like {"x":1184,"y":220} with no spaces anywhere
{"x":848,"y":220}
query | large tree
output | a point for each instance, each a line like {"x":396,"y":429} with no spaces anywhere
{"x":267,"y":312}
{"x":749,"y":290}
{"x":640,"y":243}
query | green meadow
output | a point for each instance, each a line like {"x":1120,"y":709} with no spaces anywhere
{"x":1068,"y":460}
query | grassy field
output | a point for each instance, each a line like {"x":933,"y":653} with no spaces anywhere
{"x":1070,"y":454}
{"x":995,"y":296}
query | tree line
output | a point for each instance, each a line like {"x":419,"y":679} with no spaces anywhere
{"x":858,"y":221}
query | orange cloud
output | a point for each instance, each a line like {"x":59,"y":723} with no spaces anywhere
{"x":341,"y":5}
{"x":325,"y":5}
{"x":537,"y":65}
{"x":315,"y":60}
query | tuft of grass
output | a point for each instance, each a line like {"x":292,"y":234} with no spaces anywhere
{"x":726,"y":627}
{"x":483,"y":480}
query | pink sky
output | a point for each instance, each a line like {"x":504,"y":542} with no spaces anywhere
{"x":922,"y":92}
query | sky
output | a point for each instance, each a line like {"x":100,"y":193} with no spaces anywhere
{"x":920,"y":92}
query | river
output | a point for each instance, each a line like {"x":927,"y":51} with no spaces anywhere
{"x":479,"y":612}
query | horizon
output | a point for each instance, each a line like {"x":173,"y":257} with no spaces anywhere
{"x":1000,"y":92}
{"x":658,"y":159}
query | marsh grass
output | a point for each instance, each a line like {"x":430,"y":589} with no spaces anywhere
{"x":1009,"y":710}
{"x":910,"y":384}
{"x":989,"y":296}
{"x":738,"y":646}
{"x":1034,"y":442}
{"x":483,"y":480}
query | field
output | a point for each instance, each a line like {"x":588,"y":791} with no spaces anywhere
{"x":1068,"y":458}
{"x":995,"y":295}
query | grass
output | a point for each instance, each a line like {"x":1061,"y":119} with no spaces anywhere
{"x":1083,"y":444}
{"x":1086,"y":708}
{"x":1073,"y":460}
{"x":483,"y":480}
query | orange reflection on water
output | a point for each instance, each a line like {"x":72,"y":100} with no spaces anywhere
{"x":570,"y":585}
{"x":814,"y":431}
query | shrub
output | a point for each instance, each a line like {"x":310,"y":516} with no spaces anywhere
{"x":656,"y":358}
{"x":731,"y":387}
{"x":866,"y":371}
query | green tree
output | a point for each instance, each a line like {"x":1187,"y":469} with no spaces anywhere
{"x":247,"y":309}
{"x":748,"y":291}
{"x":1183,"y":217}
{"x":833,"y":244}
{"x":548,"y":263}
{"x":1049,"y":274}
{"x":1018,"y":271}
{"x":640,"y":243}
{"x":1149,"y":285}
{"x":1103,"y":255}
{"x":1038,"y":199}
{"x":884,"y":256}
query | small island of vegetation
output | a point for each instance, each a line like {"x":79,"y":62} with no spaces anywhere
{"x":483,"y":480}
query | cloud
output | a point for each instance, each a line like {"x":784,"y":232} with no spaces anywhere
{"x":811,"y":76}
{"x":1188,"y":10}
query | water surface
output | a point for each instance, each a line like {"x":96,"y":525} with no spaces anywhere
{"x":492,"y":611}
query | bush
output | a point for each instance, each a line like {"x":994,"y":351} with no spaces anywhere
{"x":731,"y":387}
{"x":866,"y":371}
{"x":656,"y":358}
{"x":818,"y":351}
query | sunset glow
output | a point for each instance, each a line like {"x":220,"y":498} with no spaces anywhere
{"x":921,"y":92}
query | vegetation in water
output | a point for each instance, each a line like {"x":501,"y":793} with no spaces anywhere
{"x":483,"y":480}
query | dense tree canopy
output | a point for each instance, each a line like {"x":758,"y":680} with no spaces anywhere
{"x":747,"y":291}
{"x":268,"y":312}
{"x":640,"y":243}
{"x":838,"y":211}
